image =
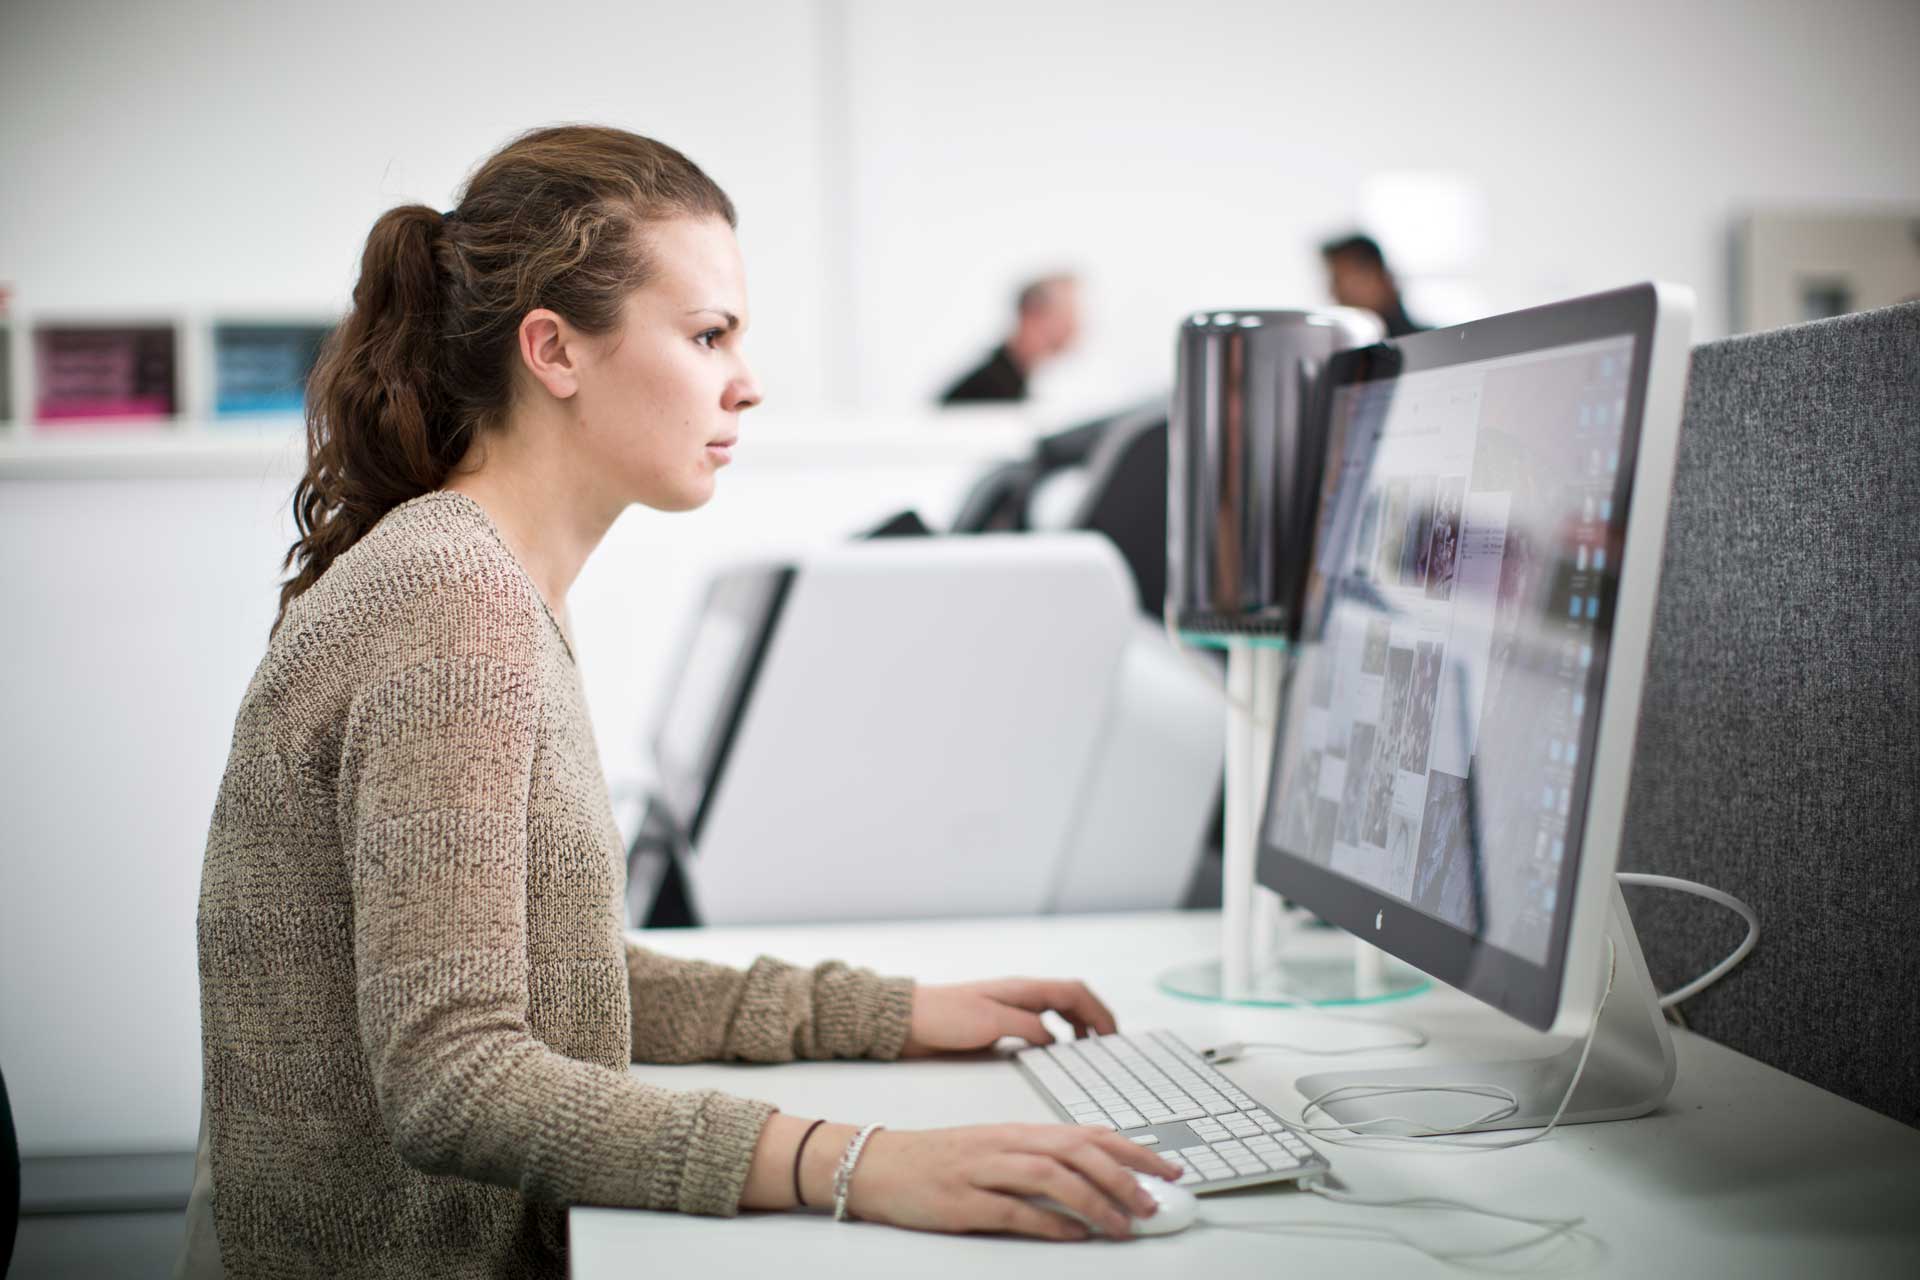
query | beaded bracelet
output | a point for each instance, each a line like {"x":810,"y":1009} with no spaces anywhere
{"x":843,"y":1176}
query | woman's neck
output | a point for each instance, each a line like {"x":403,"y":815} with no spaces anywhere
{"x":547,"y":523}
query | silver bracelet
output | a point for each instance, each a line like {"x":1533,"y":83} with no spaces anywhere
{"x":843,"y":1176}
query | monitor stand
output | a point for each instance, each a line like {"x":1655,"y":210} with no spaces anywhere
{"x":1248,"y":970}
{"x":1628,"y":1073}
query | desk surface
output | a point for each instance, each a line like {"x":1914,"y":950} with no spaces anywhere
{"x":1745,"y":1171}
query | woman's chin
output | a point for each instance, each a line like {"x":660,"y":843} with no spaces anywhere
{"x":689,"y":497}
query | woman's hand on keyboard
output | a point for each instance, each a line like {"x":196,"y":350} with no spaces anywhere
{"x":964,"y":1016}
{"x":978,"y":1178}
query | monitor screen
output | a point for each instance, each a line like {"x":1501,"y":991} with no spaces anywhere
{"x":1431,"y":763}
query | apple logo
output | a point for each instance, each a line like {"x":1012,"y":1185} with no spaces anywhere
{"x":1378,"y":917}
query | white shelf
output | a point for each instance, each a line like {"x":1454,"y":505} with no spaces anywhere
{"x":275,"y":446}
{"x":172,"y":449}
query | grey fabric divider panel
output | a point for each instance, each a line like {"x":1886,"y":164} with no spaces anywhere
{"x":1779,"y":747}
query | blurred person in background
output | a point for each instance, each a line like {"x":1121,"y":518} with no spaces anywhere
{"x":1046,"y":324}
{"x":1358,"y":276}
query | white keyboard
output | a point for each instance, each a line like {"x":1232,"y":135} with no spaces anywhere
{"x":1158,"y":1092}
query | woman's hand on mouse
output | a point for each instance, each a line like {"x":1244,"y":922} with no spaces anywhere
{"x":964,"y":1016}
{"x":978,"y":1179}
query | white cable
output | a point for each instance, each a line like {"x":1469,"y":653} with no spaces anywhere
{"x":1440,"y":1137}
{"x":1551,"y":1229}
{"x":1379,"y":1235}
{"x":1712,"y":894}
{"x":1233,"y":1049}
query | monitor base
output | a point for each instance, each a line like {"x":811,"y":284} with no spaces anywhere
{"x":1299,"y":980}
{"x":1628,"y":1073}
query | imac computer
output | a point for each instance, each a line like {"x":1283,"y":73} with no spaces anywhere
{"x":1453,"y":737}
{"x":1449,"y":775}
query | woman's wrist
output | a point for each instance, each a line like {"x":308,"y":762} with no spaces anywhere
{"x":770,"y":1178}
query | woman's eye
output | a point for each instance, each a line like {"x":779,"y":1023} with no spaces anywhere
{"x":707,"y":338}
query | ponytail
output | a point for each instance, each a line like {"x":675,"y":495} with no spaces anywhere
{"x":378,"y":429}
{"x":423,"y":361}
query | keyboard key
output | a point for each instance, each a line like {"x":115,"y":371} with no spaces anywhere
{"x":1097,"y":1124}
{"x":1147,"y":1139}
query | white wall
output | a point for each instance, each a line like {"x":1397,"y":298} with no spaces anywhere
{"x":223,"y":154}
{"x":898,"y":166}
{"x":1194,"y":155}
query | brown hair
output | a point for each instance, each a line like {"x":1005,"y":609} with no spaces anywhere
{"x":423,"y":361}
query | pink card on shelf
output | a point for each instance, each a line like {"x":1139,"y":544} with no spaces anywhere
{"x":104,"y":374}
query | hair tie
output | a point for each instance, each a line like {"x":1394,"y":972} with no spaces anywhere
{"x":450,"y":215}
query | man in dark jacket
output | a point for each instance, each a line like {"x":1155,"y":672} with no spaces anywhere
{"x":1047,"y":320}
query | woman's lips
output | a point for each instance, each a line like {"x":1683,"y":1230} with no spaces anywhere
{"x":722,"y":450}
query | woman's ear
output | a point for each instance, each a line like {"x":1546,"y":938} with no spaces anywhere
{"x":546,"y":345}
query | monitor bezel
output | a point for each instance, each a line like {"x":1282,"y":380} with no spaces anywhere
{"x":1529,"y":992}
{"x":754,"y":594}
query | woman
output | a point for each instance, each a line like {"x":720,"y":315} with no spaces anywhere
{"x":418,"y":1004}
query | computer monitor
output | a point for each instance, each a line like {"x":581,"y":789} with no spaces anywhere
{"x":1450,"y":767}
{"x":722,"y":651}
{"x":924,"y":727}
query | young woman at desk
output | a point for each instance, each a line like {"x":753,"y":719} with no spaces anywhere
{"x":417,"y":1001}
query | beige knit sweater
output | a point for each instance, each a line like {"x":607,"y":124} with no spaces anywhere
{"x":417,"y":1002}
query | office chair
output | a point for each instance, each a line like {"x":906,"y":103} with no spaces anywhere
{"x":1124,"y":456}
{"x":1126,"y":498}
{"x":9,"y":1179}
{"x":997,"y":502}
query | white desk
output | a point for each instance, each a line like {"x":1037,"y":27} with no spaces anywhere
{"x":1745,"y":1171}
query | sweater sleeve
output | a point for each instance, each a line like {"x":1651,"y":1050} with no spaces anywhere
{"x":436,"y":769}
{"x":690,"y":1010}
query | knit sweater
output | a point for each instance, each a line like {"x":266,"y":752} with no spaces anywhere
{"x":417,"y":1001}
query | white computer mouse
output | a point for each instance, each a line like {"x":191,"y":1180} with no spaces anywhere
{"x":1178,"y":1207}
